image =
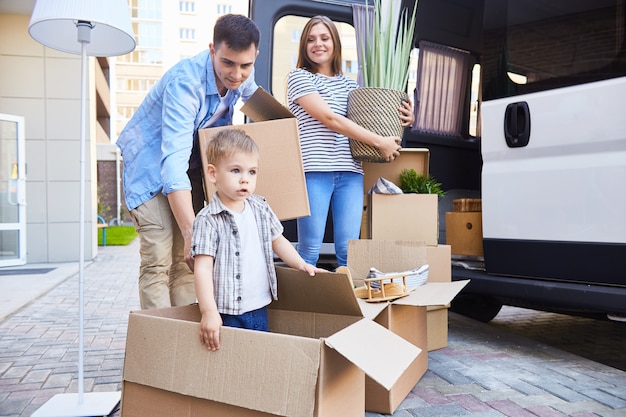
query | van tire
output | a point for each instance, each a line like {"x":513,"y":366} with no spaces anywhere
{"x":477,"y":307}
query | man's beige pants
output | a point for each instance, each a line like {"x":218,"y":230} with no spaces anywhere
{"x":164,"y":278}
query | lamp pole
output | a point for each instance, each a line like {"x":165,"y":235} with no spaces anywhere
{"x":59,"y":24}
{"x":84,"y":37}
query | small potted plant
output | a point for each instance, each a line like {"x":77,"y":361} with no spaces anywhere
{"x":412,"y":182}
{"x":385,"y":51}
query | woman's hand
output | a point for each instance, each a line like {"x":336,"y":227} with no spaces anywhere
{"x":390,"y":147}
{"x":406,"y":113}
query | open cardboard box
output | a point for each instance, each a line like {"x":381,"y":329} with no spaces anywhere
{"x":312,"y":363}
{"x":399,"y":216}
{"x":408,"y":316}
{"x":281,"y":174}
{"x":440,"y":270}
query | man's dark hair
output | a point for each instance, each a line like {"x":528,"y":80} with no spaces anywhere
{"x":237,"y":31}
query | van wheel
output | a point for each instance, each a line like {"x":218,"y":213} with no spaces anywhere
{"x":476,"y":307}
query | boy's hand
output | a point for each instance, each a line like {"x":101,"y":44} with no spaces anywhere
{"x":210,"y":330}
{"x":310,"y":269}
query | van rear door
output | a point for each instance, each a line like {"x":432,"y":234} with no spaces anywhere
{"x":554,"y":139}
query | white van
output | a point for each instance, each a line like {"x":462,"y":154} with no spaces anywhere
{"x":541,"y":139}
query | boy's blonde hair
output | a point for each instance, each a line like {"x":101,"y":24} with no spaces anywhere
{"x":228,"y":142}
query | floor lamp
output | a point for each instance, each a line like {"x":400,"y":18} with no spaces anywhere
{"x":94,"y":28}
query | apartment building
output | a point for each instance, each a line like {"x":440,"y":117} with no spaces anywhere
{"x":40,"y":122}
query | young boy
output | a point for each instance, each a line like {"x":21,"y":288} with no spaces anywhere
{"x":232,"y":243}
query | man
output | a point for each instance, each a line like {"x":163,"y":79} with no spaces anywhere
{"x":162,"y":168}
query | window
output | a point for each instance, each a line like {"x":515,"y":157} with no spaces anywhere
{"x":224,"y":9}
{"x":440,"y":91}
{"x":149,"y":43}
{"x":187,"y":6}
{"x":145,"y":9}
{"x":148,"y":34}
{"x":135,"y":85}
{"x":126,"y":112}
{"x":187,"y":34}
{"x":295,"y":35}
{"x":551,"y":45}
{"x":143,"y":56}
{"x":350,"y":67}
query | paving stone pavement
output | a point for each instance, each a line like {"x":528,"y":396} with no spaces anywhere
{"x":485,"y":371}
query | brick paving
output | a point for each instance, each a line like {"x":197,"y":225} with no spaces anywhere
{"x":485,"y":371}
{"x":599,"y":340}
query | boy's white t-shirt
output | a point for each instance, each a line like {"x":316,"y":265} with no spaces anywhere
{"x":256,"y":292}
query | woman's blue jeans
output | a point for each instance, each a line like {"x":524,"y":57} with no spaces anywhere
{"x":342,"y":192}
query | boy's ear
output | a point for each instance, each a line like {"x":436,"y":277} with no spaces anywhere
{"x":211,"y":173}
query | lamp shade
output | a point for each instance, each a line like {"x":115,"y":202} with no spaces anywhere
{"x":53,"y":24}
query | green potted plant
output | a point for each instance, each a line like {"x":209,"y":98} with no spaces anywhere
{"x":385,"y":51}
{"x":412,"y":182}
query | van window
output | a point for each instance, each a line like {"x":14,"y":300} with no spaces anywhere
{"x":537,"y":45}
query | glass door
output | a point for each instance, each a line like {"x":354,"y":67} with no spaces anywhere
{"x":12,"y":191}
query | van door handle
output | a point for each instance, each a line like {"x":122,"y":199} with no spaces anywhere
{"x":517,"y":124}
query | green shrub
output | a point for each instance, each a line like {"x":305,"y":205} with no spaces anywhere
{"x":412,"y":182}
{"x":118,"y":235}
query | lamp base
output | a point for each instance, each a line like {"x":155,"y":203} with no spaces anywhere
{"x":66,"y":405}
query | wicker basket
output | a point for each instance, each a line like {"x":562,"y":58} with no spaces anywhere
{"x":375,"y":109}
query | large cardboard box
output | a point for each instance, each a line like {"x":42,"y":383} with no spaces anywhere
{"x":406,"y":316}
{"x":464,"y":233}
{"x":312,"y":363}
{"x":399,"y":216}
{"x":281,"y":174}
{"x":404,"y":217}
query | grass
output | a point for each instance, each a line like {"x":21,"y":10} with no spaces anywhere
{"x":118,"y":235}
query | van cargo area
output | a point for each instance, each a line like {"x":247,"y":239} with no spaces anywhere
{"x":540,"y":140}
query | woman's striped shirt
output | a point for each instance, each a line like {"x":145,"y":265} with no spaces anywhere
{"x":322,"y":148}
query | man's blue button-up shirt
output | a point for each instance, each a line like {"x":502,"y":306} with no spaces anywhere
{"x":157,"y":141}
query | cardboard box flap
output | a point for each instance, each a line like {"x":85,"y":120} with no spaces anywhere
{"x":262,"y":106}
{"x":326,"y":293}
{"x":291,"y":365}
{"x":372,"y":310}
{"x":378,"y":352}
{"x":416,"y":158}
{"x":433,"y":294}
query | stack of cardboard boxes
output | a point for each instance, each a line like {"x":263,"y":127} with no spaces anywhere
{"x":410,"y":217}
{"x":328,"y":353}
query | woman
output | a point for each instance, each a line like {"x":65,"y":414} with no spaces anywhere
{"x":317,"y":92}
